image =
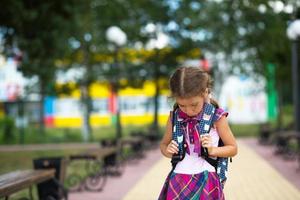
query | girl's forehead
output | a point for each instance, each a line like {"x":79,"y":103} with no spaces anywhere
{"x":189,"y":100}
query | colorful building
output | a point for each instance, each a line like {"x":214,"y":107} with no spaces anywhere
{"x":136,"y":105}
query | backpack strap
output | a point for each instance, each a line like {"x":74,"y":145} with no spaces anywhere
{"x":221,"y":163}
{"x":205,"y":124}
{"x":178,"y":136}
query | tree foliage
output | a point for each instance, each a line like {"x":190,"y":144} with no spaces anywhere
{"x":39,"y":30}
{"x":250,"y":34}
{"x":69,"y":33}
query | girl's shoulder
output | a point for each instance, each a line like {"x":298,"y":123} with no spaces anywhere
{"x":219,"y":113}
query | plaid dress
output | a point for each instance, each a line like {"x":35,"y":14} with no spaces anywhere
{"x":203,"y":186}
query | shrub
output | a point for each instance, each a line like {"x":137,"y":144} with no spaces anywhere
{"x":7,"y":125}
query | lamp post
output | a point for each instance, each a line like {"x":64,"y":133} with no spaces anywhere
{"x":116,"y":36}
{"x":293,"y":33}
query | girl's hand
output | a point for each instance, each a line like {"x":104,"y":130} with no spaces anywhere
{"x":206,"y":142}
{"x":172,"y":147}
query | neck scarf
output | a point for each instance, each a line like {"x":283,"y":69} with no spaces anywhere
{"x":190,"y":128}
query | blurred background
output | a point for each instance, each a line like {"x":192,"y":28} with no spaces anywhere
{"x":70,"y":67}
{"x":85,"y":71}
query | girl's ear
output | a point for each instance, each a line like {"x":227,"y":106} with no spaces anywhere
{"x":206,"y":93}
{"x":175,"y":106}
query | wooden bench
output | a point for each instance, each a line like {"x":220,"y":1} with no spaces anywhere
{"x":54,"y":188}
{"x":18,"y":180}
{"x":136,"y":145}
{"x":95,"y":153}
{"x":265,"y":132}
{"x":97,"y":164}
{"x":284,"y":141}
{"x":150,"y":138}
{"x":106,"y":155}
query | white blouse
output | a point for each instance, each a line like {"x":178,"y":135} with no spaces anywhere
{"x":194,"y":164}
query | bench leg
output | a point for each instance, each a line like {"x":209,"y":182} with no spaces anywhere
{"x":23,"y":198}
{"x":30,"y":193}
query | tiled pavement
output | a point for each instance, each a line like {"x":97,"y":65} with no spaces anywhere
{"x":251,"y":177}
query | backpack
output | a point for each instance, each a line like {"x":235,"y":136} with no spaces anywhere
{"x":205,"y":124}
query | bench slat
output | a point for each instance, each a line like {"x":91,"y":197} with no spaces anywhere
{"x":15,"y":181}
{"x":97,"y":153}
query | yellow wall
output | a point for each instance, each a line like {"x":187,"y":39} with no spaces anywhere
{"x":97,"y":121}
{"x":102,"y":90}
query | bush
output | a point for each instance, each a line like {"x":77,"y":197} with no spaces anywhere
{"x":7,"y":125}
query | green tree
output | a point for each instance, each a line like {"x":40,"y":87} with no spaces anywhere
{"x":39,"y":30}
{"x":248,"y":33}
{"x":94,"y":22}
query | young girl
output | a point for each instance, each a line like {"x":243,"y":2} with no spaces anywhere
{"x":194,"y":177}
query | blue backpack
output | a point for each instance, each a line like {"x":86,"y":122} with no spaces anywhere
{"x":205,"y":124}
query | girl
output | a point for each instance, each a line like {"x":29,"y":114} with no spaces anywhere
{"x":194,"y":177}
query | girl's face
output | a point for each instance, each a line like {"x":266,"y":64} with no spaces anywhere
{"x":191,"y":106}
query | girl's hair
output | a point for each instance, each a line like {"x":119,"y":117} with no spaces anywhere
{"x":188,"y":82}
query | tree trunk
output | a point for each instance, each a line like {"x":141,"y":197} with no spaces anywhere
{"x":41,"y":107}
{"x":86,"y":111}
{"x":156,"y":105}
{"x":86,"y":100}
{"x":156,"y":99}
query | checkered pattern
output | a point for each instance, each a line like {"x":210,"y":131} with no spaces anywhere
{"x":203,"y":186}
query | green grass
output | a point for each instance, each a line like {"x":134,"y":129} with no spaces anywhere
{"x":245,"y":130}
{"x":63,"y":135}
{"x":11,"y":161}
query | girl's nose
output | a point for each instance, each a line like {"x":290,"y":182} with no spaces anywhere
{"x":189,"y":111}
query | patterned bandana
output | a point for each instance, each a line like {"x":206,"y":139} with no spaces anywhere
{"x":189,"y":126}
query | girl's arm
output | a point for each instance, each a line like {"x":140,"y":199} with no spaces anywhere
{"x":230,"y":147}
{"x":168,"y":146}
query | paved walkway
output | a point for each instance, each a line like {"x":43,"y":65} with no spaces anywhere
{"x":117,"y":187}
{"x":259,"y":180}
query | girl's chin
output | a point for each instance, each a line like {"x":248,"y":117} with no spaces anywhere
{"x":194,"y":115}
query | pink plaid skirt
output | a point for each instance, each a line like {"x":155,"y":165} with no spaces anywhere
{"x":203,"y":186}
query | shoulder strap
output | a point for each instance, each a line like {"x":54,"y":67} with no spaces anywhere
{"x":205,"y":124}
{"x":178,"y":136}
{"x":206,"y":120}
